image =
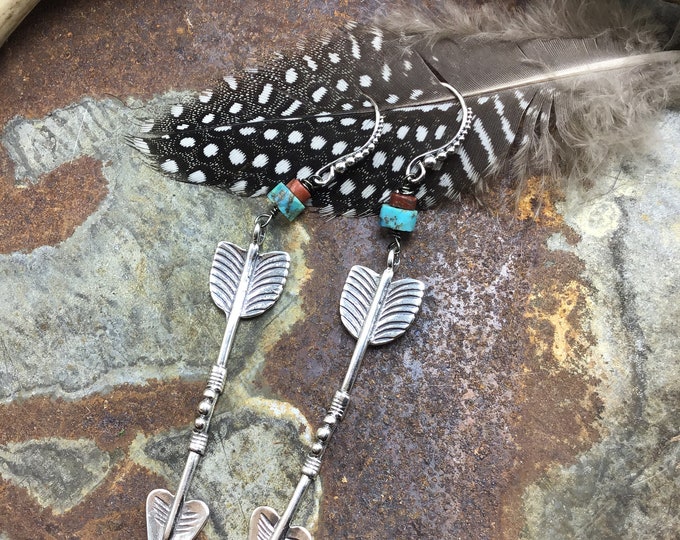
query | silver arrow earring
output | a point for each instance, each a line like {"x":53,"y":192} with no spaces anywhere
{"x":375,"y":310}
{"x":244,"y":283}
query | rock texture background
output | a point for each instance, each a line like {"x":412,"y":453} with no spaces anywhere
{"x":536,"y":396}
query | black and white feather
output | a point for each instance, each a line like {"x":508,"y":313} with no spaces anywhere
{"x":554,"y":88}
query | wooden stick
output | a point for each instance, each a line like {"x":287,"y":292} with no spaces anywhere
{"x":12,"y":12}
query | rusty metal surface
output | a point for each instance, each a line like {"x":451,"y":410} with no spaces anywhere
{"x":487,"y":394}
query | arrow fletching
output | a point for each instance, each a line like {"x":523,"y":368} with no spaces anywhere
{"x":190,"y":521}
{"x":263,"y":521}
{"x":397,"y":312}
{"x":264,"y":281}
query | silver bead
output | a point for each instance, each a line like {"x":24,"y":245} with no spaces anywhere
{"x":429,"y":161}
{"x":210,"y":393}
{"x":340,"y":166}
{"x":350,"y":161}
{"x":441,"y":156}
{"x":204,"y":406}
{"x":330,"y":419}
{"x":323,"y":433}
{"x":371,"y":146}
{"x":317,"y":448}
{"x":200,"y":423}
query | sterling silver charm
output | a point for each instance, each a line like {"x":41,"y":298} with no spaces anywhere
{"x":375,"y":310}
{"x":243,"y":284}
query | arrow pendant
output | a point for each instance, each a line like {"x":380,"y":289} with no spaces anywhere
{"x":375,"y":310}
{"x":243,"y":284}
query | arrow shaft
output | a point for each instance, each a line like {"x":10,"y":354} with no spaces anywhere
{"x":182,"y":489}
{"x":234,"y":316}
{"x":284,"y":523}
{"x":337,"y":408}
{"x":199,"y":438}
{"x":367,"y":330}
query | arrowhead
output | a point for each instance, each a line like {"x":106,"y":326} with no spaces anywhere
{"x":189,"y":523}
{"x":264,"y":520}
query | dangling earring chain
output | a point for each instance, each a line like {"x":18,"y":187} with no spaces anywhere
{"x":243,"y":284}
{"x":375,"y":310}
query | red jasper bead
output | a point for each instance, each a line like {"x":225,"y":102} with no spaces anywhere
{"x":301,"y":192}
{"x":404,"y":202}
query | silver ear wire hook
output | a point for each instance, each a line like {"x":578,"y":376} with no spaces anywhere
{"x":326,"y":174}
{"x":415,"y":171}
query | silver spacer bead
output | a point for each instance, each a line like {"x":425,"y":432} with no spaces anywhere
{"x":340,"y":167}
{"x":317,"y":448}
{"x":200,"y":423}
{"x":210,"y":394}
{"x":323,"y":433}
{"x":429,"y":161}
{"x":204,"y":406}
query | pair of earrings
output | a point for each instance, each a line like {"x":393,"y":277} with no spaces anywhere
{"x":244,"y":283}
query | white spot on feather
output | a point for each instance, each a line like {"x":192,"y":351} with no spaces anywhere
{"x":365,"y":81}
{"x":402,"y":132}
{"x":177,"y":110}
{"x":386,"y":73}
{"x":265,"y":94}
{"x":239,"y":187}
{"x":271,"y":134}
{"x":282,"y":167}
{"x":231,"y":82}
{"x":236,"y":156}
{"x":170,"y":166}
{"x":318,"y":143}
{"x":187,"y":142}
{"x":305,"y":172}
{"x":347,"y":187}
{"x":295,"y":137}
{"x":379,"y":159}
{"x":236,"y":108}
{"x":208,"y":118}
{"x":478,"y":128}
{"x":292,"y":108}
{"x":211,"y":150}
{"x":310,"y":63}
{"x":197,"y":177}
{"x":368,"y":191}
{"x":291,"y":76}
{"x":339,"y":148}
{"x":260,"y":161}
{"x":319,"y":93}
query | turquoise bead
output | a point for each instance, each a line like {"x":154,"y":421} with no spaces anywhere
{"x":289,"y":205}
{"x":398,"y":219}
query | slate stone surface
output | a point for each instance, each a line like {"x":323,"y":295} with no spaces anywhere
{"x":535,"y":396}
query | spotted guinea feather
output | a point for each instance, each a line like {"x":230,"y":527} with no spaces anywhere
{"x":553,"y":102}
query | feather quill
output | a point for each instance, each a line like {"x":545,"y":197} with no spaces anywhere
{"x":556,"y":89}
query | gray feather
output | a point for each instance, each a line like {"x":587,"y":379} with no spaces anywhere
{"x":558,"y":88}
